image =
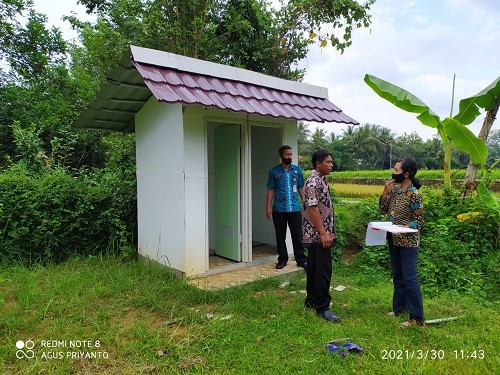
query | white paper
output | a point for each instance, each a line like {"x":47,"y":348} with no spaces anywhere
{"x":376,"y":232}
{"x":376,"y":237}
{"x":394,"y":229}
{"x":339,"y":288}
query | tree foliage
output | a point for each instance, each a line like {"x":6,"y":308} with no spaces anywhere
{"x":493,"y":143}
{"x":374,"y":147}
{"x":250,"y":34}
{"x":32,"y":48}
{"x":9,"y":21}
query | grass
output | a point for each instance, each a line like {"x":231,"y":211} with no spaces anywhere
{"x":149,"y":322}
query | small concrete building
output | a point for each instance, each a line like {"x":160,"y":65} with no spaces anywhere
{"x":206,"y":136}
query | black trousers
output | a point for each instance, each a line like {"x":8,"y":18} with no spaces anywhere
{"x":319,"y":276}
{"x":294,"y":221}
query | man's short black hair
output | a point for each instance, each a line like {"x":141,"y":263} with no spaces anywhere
{"x":319,"y":155}
{"x":283,"y":148}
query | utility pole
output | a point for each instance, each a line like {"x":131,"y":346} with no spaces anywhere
{"x":390,"y":155}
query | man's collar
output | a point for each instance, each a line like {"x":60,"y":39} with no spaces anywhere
{"x":286,"y":169}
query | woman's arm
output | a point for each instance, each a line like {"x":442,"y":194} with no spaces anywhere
{"x":383,"y":202}
{"x":417,"y":203}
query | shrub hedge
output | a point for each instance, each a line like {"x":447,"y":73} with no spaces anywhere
{"x":459,"y":256}
{"x":55,"y":216}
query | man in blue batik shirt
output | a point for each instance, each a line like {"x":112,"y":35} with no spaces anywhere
{"x":284,"y":186}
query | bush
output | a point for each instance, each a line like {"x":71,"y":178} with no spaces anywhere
{"x":55,"y":216}
{"x":351,"y":220}
{"x":459,"y":256}
{"x":446,"y":263}
{"x":370,"y":258}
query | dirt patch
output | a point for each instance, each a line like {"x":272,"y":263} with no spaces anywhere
{"x":349,"y":253}
{"x":9,"y":303}
{"x":132,"y":315}
{"x":173,"y":327}
{"x":189,"y":362}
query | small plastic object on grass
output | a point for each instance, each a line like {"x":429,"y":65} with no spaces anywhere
{"x":344,"y":349}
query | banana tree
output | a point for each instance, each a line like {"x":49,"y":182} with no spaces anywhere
{"x":451,"y":130}
{"x":489,"y":100}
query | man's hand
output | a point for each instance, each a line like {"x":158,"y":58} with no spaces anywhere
{"x":269,"y":203}
{"x":326,"y":241}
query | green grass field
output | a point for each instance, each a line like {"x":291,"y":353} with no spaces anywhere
{"x":148,"y":322}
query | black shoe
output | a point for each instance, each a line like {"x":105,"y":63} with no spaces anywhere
{"x":303,"y":265}
{"x":280,"y":265}
{"x":329,"y":316}
{"x":308,"y":305}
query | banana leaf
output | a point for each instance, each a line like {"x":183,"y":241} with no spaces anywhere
{"x":486,"y":99}
{"x":487,"y":197}
{"x":465,"y":140}
{"x":403,"y":99}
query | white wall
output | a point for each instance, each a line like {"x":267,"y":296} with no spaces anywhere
{"x":211,"y":184}
{"x":289,"y":137}
{"x":160,"y":183}
{"x":266,"y":141}
{"x":196,"y":240}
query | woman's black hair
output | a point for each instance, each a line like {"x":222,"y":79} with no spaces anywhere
{"x":409,"y":165}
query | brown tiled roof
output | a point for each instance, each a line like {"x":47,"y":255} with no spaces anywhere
{"x":178,"y":79}
{"x":175,"y":86}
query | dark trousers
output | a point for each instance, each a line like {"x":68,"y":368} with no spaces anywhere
{"x":407,"y":295}
{"x":294,"y":221}
{"x":319,"y":276}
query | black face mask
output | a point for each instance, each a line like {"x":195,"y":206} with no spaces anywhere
{"x":287,"y":161}
{"x":398,"y":178}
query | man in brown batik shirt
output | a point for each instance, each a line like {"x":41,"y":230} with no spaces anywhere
{"x":318,"y":226}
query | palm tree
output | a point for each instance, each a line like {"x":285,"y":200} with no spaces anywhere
{"x":363,"y":145}
{"x":318,"y":139}
{"x":303,"y":134}
{"x":433,"y":157}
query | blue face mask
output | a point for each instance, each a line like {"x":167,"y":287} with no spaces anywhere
{"x":398,"y":178}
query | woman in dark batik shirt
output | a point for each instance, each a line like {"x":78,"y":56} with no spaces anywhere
{"x":403,"y":203}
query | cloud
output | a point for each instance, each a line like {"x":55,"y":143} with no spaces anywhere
{"x":477,"y":10}
{"x":418,"y":46}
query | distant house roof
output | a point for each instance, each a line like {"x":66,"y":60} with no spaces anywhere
{"x":178,"y":79}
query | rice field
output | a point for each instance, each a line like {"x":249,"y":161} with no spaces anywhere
{"x":357,"y":191}
{"x":364,"y":191}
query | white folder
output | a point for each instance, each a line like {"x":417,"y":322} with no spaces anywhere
{"x":376,"y":232}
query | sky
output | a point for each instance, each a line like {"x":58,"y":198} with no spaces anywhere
{"x":417,"y":45}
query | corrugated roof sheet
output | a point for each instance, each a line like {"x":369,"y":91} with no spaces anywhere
{"x":175,"y":86}
{"x":131,"y":84}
